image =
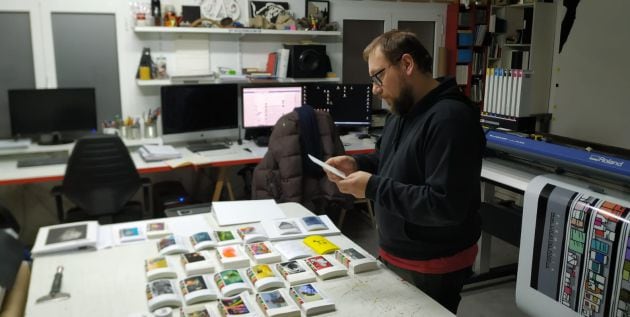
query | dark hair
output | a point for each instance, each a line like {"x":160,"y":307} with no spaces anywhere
{"x":394,"y":44}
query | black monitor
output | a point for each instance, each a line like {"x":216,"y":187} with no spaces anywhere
{"x":349,"y":105}
{"x":199,"y":112}
{"x":52,"y":115}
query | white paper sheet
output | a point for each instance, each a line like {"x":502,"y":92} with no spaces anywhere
{"x":245,"y":211}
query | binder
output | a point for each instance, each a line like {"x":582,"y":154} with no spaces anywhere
{"x":514,"y":95}
{"x":509,"y":93}
{"x":519,"y":91}
{"x":495,"y":94}
{"x":486,"y":102}
{"x":501,"y":92}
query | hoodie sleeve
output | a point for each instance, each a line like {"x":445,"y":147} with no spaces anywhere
{"x":452,"y":160}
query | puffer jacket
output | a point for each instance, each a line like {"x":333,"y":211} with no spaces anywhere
{"x":280,"y":174}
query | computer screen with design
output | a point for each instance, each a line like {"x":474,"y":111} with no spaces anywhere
{"x":66,"y":113}
{"x":264,"y":105}
{"x":349,"y":105}
{"x":199,"y":112}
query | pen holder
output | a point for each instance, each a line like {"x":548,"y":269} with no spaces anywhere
{"x":135,"y":133}
{"x":150,"y":131}
{"x":125,"y":132}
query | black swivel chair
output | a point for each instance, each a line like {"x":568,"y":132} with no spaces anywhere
{"x":100,"y":180}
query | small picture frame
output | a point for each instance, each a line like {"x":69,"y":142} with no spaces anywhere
{"x":318,"y":9}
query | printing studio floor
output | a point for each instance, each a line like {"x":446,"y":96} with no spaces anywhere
{"x":494,"y":298}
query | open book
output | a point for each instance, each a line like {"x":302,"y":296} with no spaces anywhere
{"x":230,"y":282}
{"x":197,"y":263}
{"x":263,"y":277}
{"x":238,"y":305}
{"x":197,"y":289}
{"x":300,"y":227}
{"x":157,"y":229}
{"x":277,"y":303}
{"x":311,"y":300}
{"x":295,"y":272}
{"x":227,"y":237}
{"x":66,"y":237}
{"x":232,"y":257}
{"x":161,"y":293}
{"x":252,"y":233}
{"x":262,"y":252}
{"x":171,"y":244}
{"x":202,"y":240}
{"x":158,"y":268}
{"x":325,"y":268}
{"x":293,"y":249}
{"x":356,"y":261}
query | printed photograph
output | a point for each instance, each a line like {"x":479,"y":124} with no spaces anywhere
{"x":319,"y":262}
{"x":161,"y":287}
{"x":319,"y":10}
{"x":229,"y":252}
{"x":292,"y":267}
{"x":234,"y":306}
{"x":66,"y":234}
{"x":247,"y":230}
{"x":225,"y":235}
{"x":198,"y":313}
{"x":129,"y":232}
{"x":274,"y":299}
{"x":314,"y":223}
{"x":231,"y":277}
{"x":200,"y":237}
{"x":268,"y":9}
{"x":287,"y":227}
{"x":156,"y":226}
{"x":193,"y":257}
{"x":353,"y":254}
{"x":259,"y":248}
{"x":156,"y":263}
{"x":166,"y":242}
{"x":192,"y":284}
{"x":308,"y":293}
{"x":262,"y":271}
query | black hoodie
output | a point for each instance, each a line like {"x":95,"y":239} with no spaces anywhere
{"x":426,"y":177}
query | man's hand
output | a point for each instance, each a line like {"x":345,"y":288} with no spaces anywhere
{"x":346,"y":164}
{"x":354,"y":184}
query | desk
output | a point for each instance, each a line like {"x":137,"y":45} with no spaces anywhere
{"x":111,"y":282}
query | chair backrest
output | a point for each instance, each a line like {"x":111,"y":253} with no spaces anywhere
{"x":101,"y":176}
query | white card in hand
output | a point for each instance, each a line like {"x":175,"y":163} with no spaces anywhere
{"x":327,"y":167}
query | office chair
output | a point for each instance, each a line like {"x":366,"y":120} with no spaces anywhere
{"x":100,"y":180}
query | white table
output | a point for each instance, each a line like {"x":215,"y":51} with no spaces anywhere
{"x":111,"y":282}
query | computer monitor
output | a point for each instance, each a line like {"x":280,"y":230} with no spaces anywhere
{"x":52,"y":116}
{"x":199,"y":112}
{"x":264,"y":105}
{"x":349,"y":105}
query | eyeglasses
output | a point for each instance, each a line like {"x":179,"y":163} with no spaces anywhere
{"x":377,"y":77}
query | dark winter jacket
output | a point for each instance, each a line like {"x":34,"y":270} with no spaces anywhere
{"x":426,"y":177}
{"x":281,"y":175}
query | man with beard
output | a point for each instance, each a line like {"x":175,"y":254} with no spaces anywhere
{"x":424,"y":177}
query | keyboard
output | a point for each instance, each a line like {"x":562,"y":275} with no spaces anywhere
{"x":207,"y":147}
{"x":42,"y":161}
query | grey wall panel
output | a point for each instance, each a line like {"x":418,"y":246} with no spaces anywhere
{"x":16,"y":62}
{"x":357,"y":34}
{"x":86,"y":56}
{"x":424,"y":30}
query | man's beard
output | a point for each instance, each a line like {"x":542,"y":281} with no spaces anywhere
{"x":403,"y":103}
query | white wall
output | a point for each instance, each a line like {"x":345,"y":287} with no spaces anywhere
{"x":591,"y":101}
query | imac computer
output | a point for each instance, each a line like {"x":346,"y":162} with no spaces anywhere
{"x":52,"y":116}
{"x":349,"y":104}
{"x":264,"y":105}
{"x":199,"y":114}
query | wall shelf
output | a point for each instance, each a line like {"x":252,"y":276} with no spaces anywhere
{"x":232,"y":31}
{"x":240,"y":80}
